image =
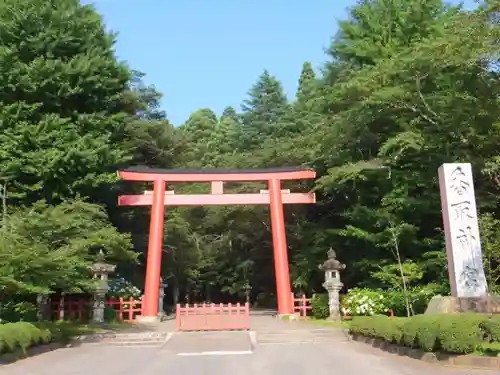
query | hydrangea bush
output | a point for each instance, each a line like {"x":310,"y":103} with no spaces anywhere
{"x":361,"y":301}
{"x":119,"y":287}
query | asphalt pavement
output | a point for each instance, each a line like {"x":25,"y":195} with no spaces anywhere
{"x":298,"y":351}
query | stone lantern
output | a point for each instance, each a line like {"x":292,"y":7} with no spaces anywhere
{"x":332,"y":284}
{"x":163,"y":285}
{"x":101,"y":270}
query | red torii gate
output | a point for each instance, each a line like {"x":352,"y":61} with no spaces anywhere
{"x":160,"y":197}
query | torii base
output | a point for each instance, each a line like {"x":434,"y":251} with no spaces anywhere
{"x":287,"y":317}
{"x":147,"y":320}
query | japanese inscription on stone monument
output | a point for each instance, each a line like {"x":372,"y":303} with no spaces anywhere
{"x":463,"y":246}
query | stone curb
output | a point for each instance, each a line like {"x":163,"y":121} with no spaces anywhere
{"x":472,"y":361}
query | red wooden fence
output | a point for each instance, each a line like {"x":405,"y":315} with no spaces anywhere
{"x":81,"y":309}
{"x":302,"y":305}
{"x":212,"y":317}
{"x":126,"y":310}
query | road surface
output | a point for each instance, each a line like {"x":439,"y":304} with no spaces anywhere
{"x":263,"y":352}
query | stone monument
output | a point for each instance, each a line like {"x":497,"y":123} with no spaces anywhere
{"x":101,"y":271}
{"x":332,"y":284}
{"x":469,"y":289}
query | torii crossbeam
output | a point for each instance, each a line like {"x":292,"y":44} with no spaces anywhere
{"x":160,"y":197}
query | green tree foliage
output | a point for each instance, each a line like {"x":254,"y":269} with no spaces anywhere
{"x":200,"y":130}
{"x":307,"y":82}
{"x":376,"y":29}
{"x":408,"y":85}
{"x":262,"y":110}
{"x":70,"y":113}
{"x":421,"y":105}
{"x":230,"y":112}
{"x":490,"y":227}
{"x":62,"y":96}
{"x":51,"y":247}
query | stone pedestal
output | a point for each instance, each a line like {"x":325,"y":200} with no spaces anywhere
{"x":101,"y":271}
{"x":333,"y":289}
{"x":43,"y":307}
{"x":98,"y":306}
{"x":489,"y":304}
{"x":161,"y":296}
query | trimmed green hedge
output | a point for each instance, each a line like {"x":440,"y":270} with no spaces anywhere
{"x":458,"y":333}
{"x":23,"y":335}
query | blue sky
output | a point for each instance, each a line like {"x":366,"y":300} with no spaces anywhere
{"x":208,"y":53}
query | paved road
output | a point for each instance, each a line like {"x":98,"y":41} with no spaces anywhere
{"x":268,"y":352}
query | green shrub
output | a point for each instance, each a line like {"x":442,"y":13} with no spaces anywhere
{"x":45,"y":336}
{"x":427,"y":331}
{"x":60,"y":331}
{"x":319,"y":306}
{"x":21,"y":335}
{"x":459,"y":334}
{"x":396,"y":302}
{"x":362,"y":325}
{"x":9,"y":334}
{"x":491,"y":349}
{"x":390,"y":330}
{"x":110,"y":315}
{"x":410,"y":330}
{"x":492,"y":328}
{"x":418,"y":298}
{"x":421,"y":331}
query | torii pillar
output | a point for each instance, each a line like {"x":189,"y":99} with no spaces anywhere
{"x":159,"y":198}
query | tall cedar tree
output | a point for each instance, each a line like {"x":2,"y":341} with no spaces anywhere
{"x":262,"y":110}
{"x":62,"y":97}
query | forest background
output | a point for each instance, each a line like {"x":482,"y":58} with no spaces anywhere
{"x":407,"y":85}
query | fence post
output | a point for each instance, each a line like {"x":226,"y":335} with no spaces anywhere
{"x":229,"y":321}
{"x":178,"y":317}
{"x":121,"y":310}
{"x":247,"y":315}
{"x":131,"y":309}
{"x":187,"y":316}
{"x":204,"y":323}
